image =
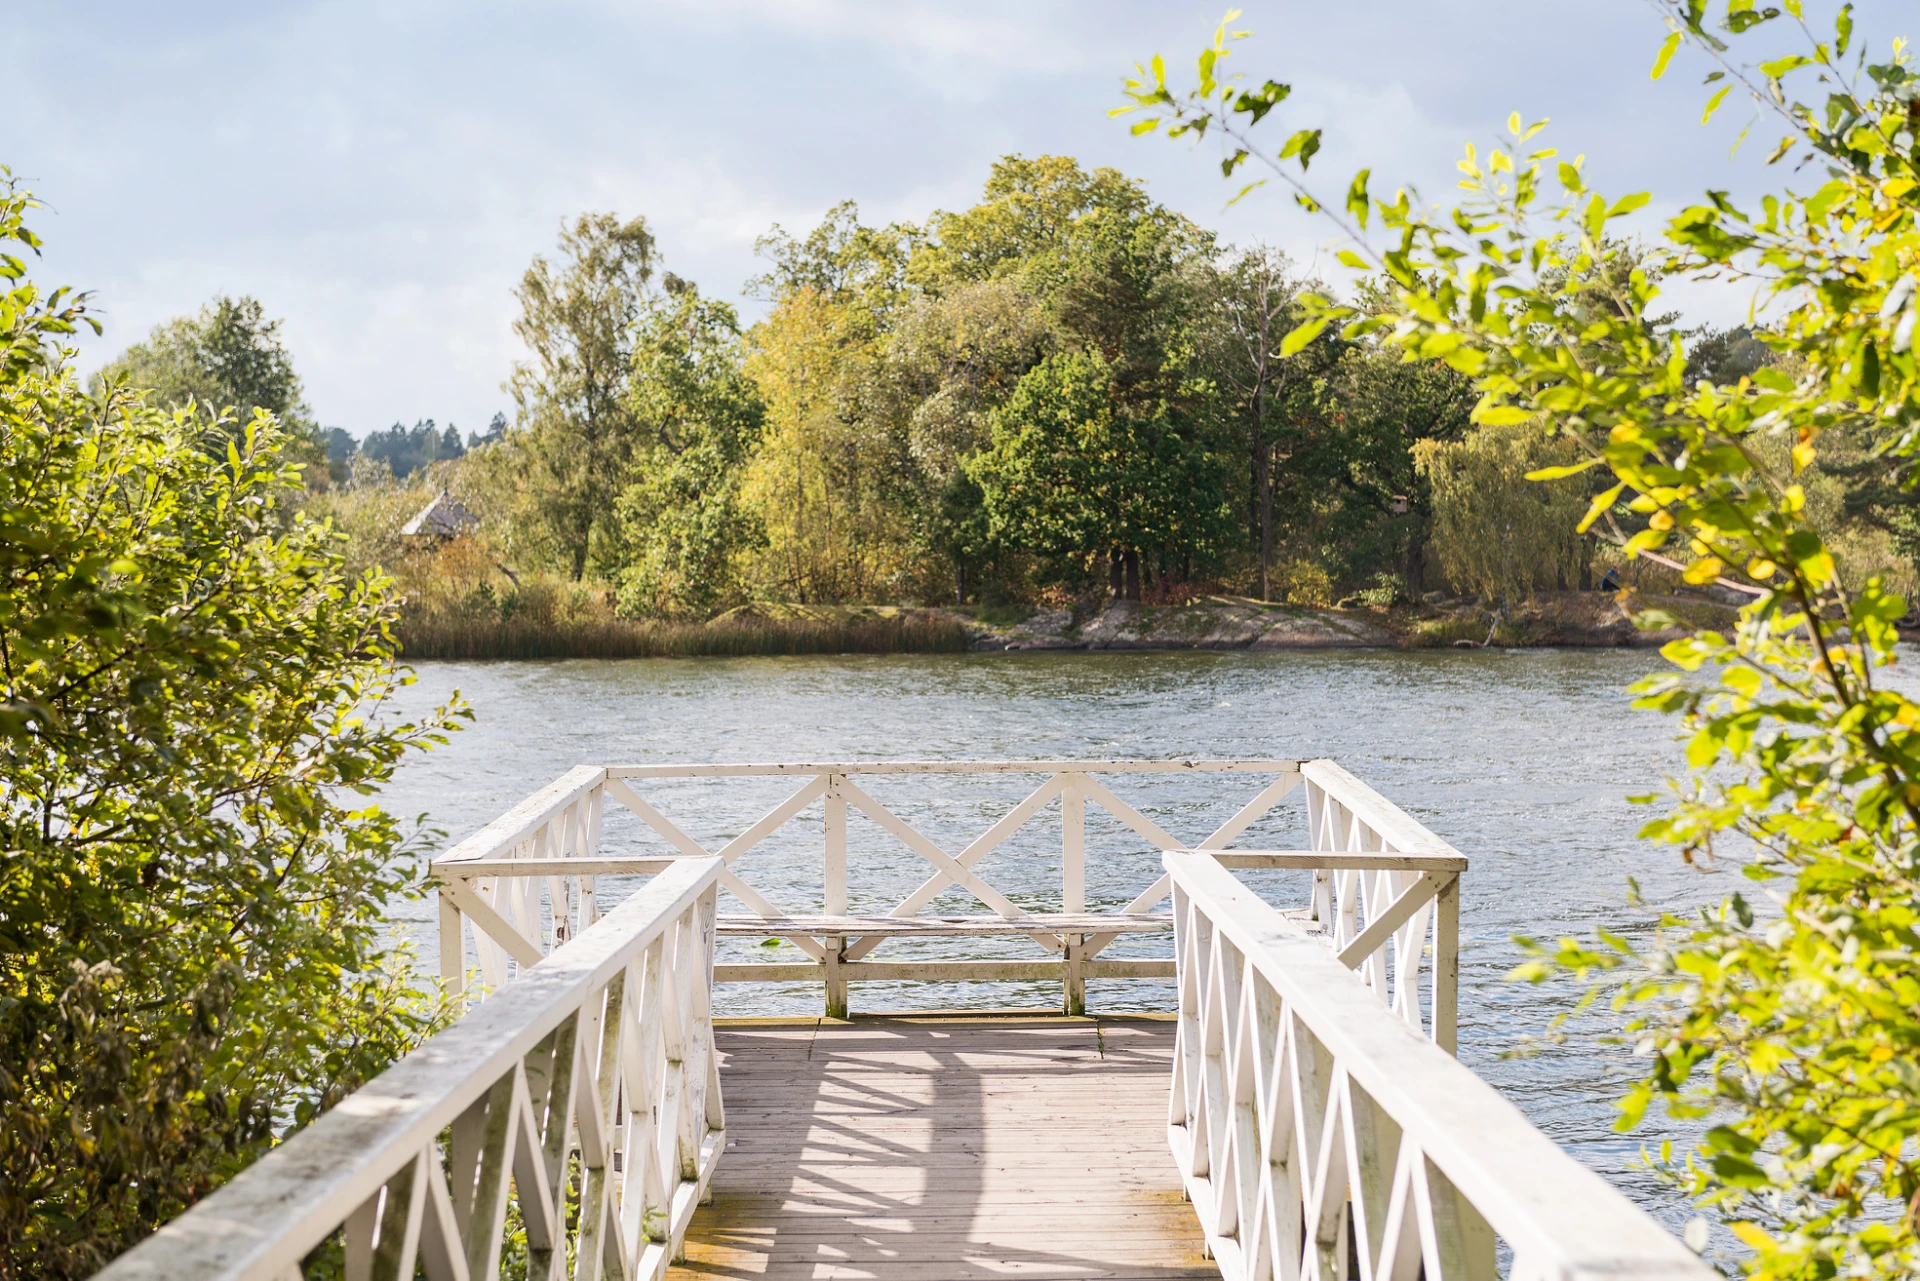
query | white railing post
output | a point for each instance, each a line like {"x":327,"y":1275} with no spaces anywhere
{"x":835,"y":889}
{"x":1073,"y":891}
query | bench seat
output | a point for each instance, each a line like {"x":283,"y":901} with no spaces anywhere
{"x":943,"y":926}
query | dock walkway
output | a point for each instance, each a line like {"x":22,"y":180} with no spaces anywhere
{"x":944,"y":1146}
{"x":1297,"y":1113}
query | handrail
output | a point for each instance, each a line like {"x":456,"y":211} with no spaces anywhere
{"x":957,"y":767}
{"x":1382,"y":884}
{"x":1310,"y":1123}
{"x":600,"y":1054}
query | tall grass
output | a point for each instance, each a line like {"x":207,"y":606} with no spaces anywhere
{"x":454,"y":637}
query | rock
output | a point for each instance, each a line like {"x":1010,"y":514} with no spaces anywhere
{"x":1322,"y":630}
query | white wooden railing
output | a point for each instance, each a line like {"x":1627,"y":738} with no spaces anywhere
{"x":1385,"y":890}
{"x":1322,"y":1138}
{"x":585,"y":1095}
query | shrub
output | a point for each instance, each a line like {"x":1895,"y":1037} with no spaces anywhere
{"x":192,"y":956}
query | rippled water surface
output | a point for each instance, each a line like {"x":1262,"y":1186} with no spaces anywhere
{"x":1521,"y":759}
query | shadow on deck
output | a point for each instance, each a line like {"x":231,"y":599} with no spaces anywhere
{"x":946,"y":1147}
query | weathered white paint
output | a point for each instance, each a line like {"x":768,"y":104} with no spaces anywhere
{"x":600,"y":1052}
{"x":1384,"y":885}
{"x":1322,"y":1138}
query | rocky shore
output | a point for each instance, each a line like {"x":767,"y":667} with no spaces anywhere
{"x":1570,"y":619}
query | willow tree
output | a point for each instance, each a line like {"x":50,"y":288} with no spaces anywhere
{"x":1496,"y":535}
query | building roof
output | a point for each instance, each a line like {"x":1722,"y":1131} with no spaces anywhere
{"x":444,"y":517}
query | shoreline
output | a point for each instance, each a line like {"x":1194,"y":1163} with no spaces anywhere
{"x":1564,"y":620}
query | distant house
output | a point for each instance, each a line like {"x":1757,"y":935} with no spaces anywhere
{"x":444,"y":517}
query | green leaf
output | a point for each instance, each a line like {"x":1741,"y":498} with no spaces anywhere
{"x":1667,"y":48}
{"x":1300,"y":335}
{"x":1713,"y":103}
{"x":1561,"y":473}
{"x":1627,"y":204}
{"x":1500,"y":415}
{"x":1303,"y":144}
{"x":1599,"y":505}
{"x":1351,"y":259}
{"x":1843,"y":30}
{"x":1357,"y":196}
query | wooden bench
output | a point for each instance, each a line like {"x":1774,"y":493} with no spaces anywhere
{"x":836,"y":944}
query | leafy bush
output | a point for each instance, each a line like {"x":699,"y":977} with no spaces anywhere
{"x":1793,"y":1024}
{"x":192,"y":956}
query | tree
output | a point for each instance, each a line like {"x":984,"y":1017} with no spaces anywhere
{"x":226,"y":356}
{"x":1070,"y":475}
{"x":406,"y":452}
{"x":193,"y":952}
{"x":686,"y":525}
{"x":1792,"y":1025}
{"x":1496,"y":534}
{"x":576,"y":433}
{"x":1029,"y":213}
{"x":1353,"y":456}
{"x":1255,"y":302}
{"x":950,"y":360}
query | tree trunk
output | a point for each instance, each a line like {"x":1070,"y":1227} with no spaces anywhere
{"x":1133,"y":573}
{"x":1263,"y":480}
{"x":1115,"y":587}
{"x":960,"y":583}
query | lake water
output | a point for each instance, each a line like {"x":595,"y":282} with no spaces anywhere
{"x":1521,"y":759}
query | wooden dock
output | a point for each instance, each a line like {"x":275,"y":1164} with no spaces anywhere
{"x":945,"y":1147}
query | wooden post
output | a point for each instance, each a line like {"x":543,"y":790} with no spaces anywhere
{"x":837,"y":978}
{"x":835,"y":888}
{"x":1075,"y":976}
{"x":836,"y":861}
{"x":1073,"y":892}
{"x":1446,"y":967}
{"x":453,"y":950}
{"x":1073,"y":848}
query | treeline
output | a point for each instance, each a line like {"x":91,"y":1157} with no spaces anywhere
{"x":1065,"y":389}
{"x":1064,"y":393}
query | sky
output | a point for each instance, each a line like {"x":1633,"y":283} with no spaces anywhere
{"x":380,"y":172}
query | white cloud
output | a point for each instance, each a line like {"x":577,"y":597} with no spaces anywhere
{"x":380,"y":173}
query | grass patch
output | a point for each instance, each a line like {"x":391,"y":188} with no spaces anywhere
{"x":1433,"y":633}
{"x":904,"y":632}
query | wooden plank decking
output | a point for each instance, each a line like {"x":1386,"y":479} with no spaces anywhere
{"x":945,"y":1147}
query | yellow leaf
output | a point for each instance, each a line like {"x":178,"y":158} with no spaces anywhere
{"x":1760,"y":569}
{"x":1803,"y":455}
{"x":1752,"y":1235}
{"x":1704,"y":570}
{"x":1500,"y":415}
{"x":1661,"y":520}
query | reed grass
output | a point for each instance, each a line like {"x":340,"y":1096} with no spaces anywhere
{"x":441,"y":637}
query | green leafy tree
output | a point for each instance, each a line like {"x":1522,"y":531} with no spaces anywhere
{"x":1791,"y":1024}
{"x":574,"y":442}
{"x":1255,"y":309}
{"x":1072,"y":476}
{"x":226,"y":356}
{"x":193,"y":957}
{"x":1351,"y":461}
{"x":1497,"y":535}
{"x":686,"y":524}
